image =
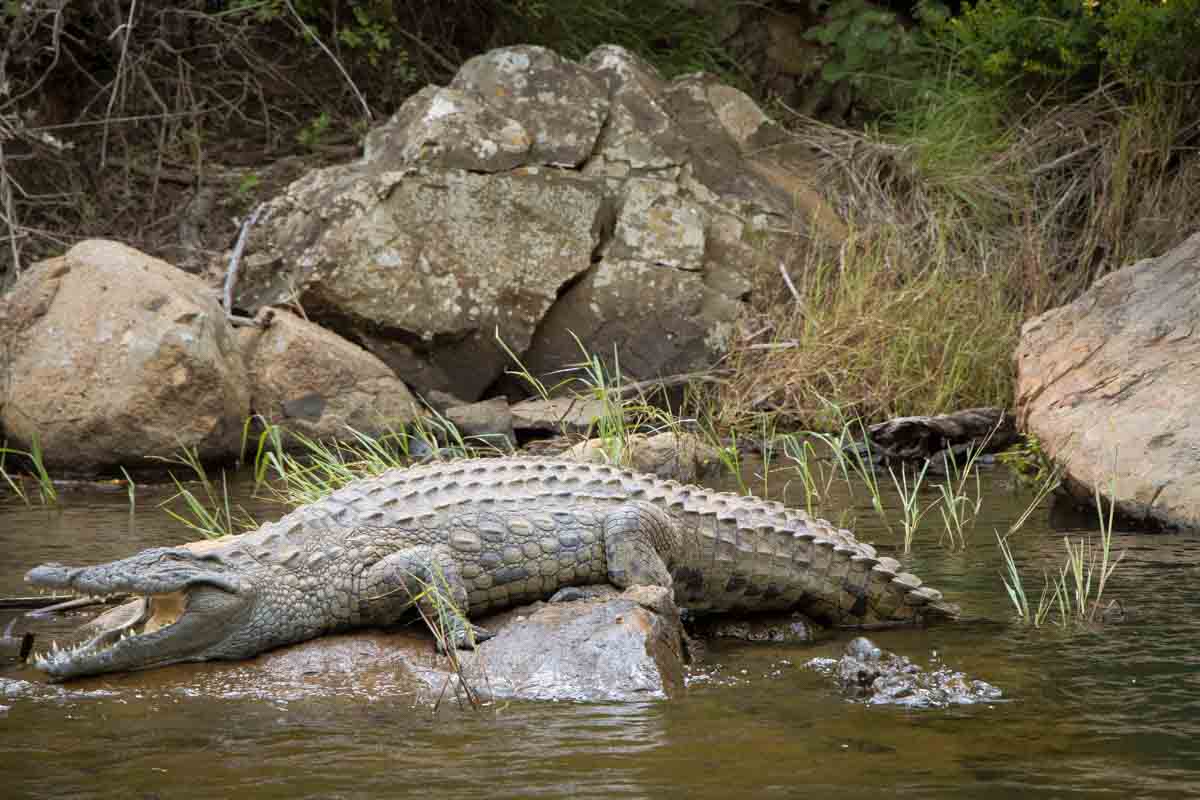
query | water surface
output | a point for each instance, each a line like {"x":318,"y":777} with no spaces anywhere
{"x":1109,"y":712}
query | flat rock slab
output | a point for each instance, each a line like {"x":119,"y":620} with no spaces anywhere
{"x":1110,"y":384}
{"x":586,"y":650}
{"x":608,"y":648}
{"x":558,"y":415}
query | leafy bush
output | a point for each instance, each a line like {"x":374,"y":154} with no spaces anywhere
{"x":864,"y":40}
{"x":1139,"y":41}
{"x":1152,"y":38}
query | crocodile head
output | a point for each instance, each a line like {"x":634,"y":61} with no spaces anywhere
{"x":191,"y":607}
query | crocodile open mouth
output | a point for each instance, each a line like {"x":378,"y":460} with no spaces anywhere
{"x":150,"y":631}
{"x":185,"y":605}
{"x":135,"y":620}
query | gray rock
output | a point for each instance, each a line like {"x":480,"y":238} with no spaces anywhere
{"x":640,"y":135}
{"x":557,"y":415}
{"x":113,"y":357}
{"x":657,"y":226}
{"x":588,"y":650}
{"x":659,"y":320}
{"x":634,"y":219}
{"x":1109,"y":383}
{"x":440,"y":127}
{"x":311,"y":381}
{"x":682,"y":456}
{"x":487,"y":423}
{"x":561,"y":104}
{"x":427,"y":267}
{"x":440,"y":401}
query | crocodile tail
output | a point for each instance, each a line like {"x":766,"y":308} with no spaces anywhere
{"x":894,"y":595}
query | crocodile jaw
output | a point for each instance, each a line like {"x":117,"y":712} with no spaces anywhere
{"x":167,"y":629}
{"x":188,"y":610}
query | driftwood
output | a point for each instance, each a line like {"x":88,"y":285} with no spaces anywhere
{"x":916,"y":438}
{"x":235,"y":260}
{"x":39,"y":601}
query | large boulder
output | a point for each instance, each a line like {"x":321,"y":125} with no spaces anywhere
{"x":427,"y":267}
{"x":311,"y":381}
{"x":1110,"y":384}
{"x":536,"y":200}
{"x":111,"y":356}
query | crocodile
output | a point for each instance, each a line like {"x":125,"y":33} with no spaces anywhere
{"x":488,"y":534}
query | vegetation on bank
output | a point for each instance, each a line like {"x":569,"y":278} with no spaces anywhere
{"x":1006,"y":155}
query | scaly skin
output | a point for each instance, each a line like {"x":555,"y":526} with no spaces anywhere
{"x":491,"y":533}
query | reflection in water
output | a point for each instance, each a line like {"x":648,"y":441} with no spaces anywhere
{"x":1114,"y":711}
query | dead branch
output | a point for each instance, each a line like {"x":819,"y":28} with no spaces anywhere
{"x":362,"y":100}
{"x":234,"y":262}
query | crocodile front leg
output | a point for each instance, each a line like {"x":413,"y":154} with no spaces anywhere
{"x":640,"y":540}
{"x":427,"y":577}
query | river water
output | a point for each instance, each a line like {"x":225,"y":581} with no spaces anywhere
{"x":1112,"y":711}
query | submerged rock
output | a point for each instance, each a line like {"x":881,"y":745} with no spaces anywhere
{"x":876,"y":677}
{"x":1109,"y":385}
{"x":776,"y":628}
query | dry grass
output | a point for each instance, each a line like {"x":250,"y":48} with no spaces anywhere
{"x":876,"y":337}
{"x":963,"y":224}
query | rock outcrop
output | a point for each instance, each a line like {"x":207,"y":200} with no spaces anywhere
{"x":1110,"y":385}
{"x":532,"y":200}
{"x":311,"y":381}
{"x":111,"y":356}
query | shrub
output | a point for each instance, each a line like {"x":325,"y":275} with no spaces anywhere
{"x":1076,"y":41}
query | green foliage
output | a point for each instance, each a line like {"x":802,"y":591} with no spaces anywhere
{"x":1077,"y":589}
{"x":1049,"y":39}
{"x":1040,"y":41}
{"x":1028,"y":461}
{"x":311,"y":134}
{"x":248,"y":185}
{"x":862,"y":41}
{"x":37,"y":469}
{"x":365,"y":28}
{"x":1155,"y":38}
{"x":211,"y":515}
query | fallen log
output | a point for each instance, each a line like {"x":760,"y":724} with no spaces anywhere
{"x":915,"y":438}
